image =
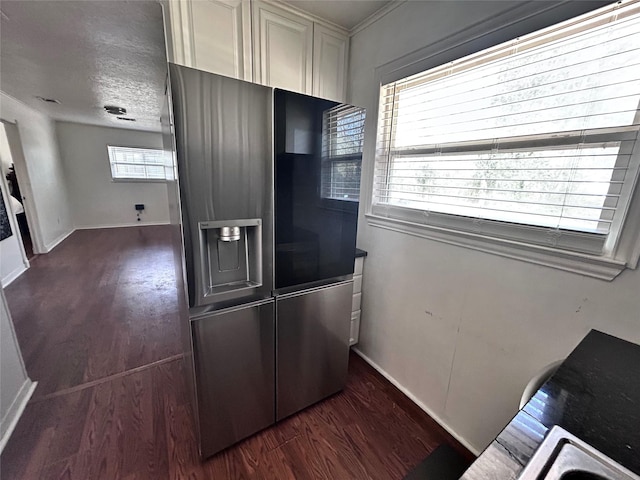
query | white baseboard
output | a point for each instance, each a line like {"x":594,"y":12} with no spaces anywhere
{"x":13,"y":275}
{"x":50,"y":246}
{"x":415,"y":400}
{"x":136,"y":224}
{"x":10,"y":419}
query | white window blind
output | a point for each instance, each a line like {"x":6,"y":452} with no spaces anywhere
{"x":533,"y":140}
{"x":342,"y":139}
{"x":139,"y":164}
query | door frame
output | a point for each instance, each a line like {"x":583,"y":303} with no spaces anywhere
{"x":12,"y":131}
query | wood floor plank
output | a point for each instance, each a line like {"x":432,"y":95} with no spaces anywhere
{"x":181,"y":443}
{"x":28,"y":448}
{"x":293,"y":463}
{"x":98,"y":323}
{"x":61,"y":470}
{"x":69,"y":425}
{"x":333,"y":436}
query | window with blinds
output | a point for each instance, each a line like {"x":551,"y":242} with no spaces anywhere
{"x":129,"y":163}
{"x":533,"y":140}
{"x":342,"y":139}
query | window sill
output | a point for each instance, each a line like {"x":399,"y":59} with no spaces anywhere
{"x":139,"y":180}
{"x":583,"y":264}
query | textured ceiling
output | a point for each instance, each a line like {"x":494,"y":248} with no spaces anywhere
{"x":86,"y":54}
{"x":346,"y":13}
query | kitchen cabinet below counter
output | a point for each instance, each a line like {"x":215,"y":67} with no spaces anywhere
{"x":356,"y":303}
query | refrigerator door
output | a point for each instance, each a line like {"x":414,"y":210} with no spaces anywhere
{"x":312,"y":349}
{"x":224,"y":149}
{"x":318,"y":153}
{"x":233,"y":353}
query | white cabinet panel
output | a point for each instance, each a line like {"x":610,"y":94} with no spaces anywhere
{"x":283,"y":48}
{"x":176,"y":14}
{"x":357,"y":283}
{"x":258,"y":41}
{"x":212,"y":35}
{"x":220,"y":36}
{"x":358,"y":266}
{"x":355,"y":302}
{"x":354,"y":335}
{"x":330,"y":51}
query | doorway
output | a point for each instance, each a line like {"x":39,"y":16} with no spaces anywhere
{"x":16,"y":199}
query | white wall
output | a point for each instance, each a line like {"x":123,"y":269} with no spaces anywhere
{"x":15,"y":386}
{"x":462,"y":331}
{"x":96,"y":200}
{"x":44,"y":174}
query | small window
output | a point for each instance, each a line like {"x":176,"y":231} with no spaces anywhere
{"x":534,"y":140}
{"x":143,"y":164}
{"x":342,"y":138}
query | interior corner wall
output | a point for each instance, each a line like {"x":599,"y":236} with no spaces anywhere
{"x":459,"y":330}
{"x":97,"y":201}
{"x":44,"y":173}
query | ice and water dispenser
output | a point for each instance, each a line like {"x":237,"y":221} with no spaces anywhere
{"x":231,"y":255}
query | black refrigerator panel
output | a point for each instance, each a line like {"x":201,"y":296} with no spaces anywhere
{"x":318,"y":152}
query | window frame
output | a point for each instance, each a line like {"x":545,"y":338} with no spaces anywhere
{"x":131,"y":179}
{"x":621,"y":250}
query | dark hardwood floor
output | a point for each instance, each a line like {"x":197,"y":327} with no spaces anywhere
{"x":102,"y":302}
{"x":98,"y":326}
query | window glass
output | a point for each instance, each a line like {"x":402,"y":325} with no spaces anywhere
{"x":537,"y":132}
{"x":139,"y":164}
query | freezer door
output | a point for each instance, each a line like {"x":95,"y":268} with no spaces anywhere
{"x":312,"y":346}
{"x":234,"y":363}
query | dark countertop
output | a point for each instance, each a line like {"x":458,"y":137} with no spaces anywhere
{"x":360,"y":253}
{"x":595,"y":394}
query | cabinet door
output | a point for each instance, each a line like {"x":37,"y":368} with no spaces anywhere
{"x":312,"y":353}
{"x":283,"y":48}
{"x":212,"y":35}
{"x":330,"y":51}
{"x":234,"y":370}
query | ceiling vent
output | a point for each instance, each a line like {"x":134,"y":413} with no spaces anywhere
{"x":114,"y":110}
{"x":48,"y":100}
{"x":126,"y":119}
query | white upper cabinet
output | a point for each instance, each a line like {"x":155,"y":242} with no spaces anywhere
{"x":330,"y":60}
{"x":283,"y":48}
{"x":211,"y":35}
{"x":259,"y":41}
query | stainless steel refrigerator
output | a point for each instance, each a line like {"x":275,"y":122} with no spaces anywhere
{"x":267,"y":192}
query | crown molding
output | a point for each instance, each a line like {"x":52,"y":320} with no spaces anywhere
{"x":309,"y":16}
{"x":375,"y":16}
